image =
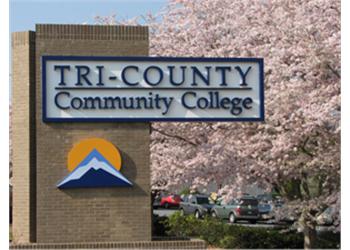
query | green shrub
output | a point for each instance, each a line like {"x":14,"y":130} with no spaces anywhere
{"x":220,"y":234}
{"x":328,"y":240}
{"x":182,"y":226}
{"x":223,"y":235}
{"x":248,"y":237}
{"x":159,"y":225}
{"x":227,"y":241}
{"x":212,"y":230}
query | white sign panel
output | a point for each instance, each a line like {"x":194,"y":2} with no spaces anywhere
{"x":81,"y":89}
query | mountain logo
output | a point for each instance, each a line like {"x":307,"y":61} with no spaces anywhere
{"x":94,"y":162}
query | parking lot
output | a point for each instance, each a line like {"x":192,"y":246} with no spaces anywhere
{"x":262,"y":224}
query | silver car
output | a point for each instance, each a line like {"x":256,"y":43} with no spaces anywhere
{"x":195,"y":204}
{"x":238,"y":209}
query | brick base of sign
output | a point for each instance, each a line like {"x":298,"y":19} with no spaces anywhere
{"x":176,"y":244}
{"x":42,"y":213}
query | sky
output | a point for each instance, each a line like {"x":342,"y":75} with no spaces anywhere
{"x":24,"y":14}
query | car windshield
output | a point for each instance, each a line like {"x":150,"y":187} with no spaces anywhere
{"x":247,"y":202}
{"x":202,"y":200}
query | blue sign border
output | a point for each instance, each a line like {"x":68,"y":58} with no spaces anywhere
{"x":46,"y":58}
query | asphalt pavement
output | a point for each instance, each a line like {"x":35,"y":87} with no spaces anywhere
{"x":261,"y":224}
{"x":164,"y":212}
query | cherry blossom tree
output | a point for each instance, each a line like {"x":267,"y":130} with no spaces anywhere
{"x":296,"y":151}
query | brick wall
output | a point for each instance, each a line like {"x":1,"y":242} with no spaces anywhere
{"x":23,"y":135}
{"x":87,"y":215}
{"x":180,"y":244}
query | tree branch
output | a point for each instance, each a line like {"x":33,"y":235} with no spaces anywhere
{"x":175,"y":136}
{"x":335,"y":72}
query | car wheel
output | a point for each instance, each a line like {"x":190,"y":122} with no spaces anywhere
{"x":213,"y":214}
{"x":182,"y":212}
{"x":197,"y":214}
{"x":166,"y":205}
{"x":232,"y":218}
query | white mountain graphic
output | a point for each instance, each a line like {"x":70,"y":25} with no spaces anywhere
{"x":94,"y":171}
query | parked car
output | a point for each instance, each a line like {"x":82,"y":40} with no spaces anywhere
{"x":264,"y":197}
{"x":157,"y":196}
{"x":198,"y":205}
{"x":283,"y":214}
{"x":265,"y":210}
{"x":168,"y":201}
{"x":245,"y":208}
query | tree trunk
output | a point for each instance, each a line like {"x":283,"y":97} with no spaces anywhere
{"x":310,"y":237}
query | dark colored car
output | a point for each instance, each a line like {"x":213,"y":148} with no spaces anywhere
{"x":198,"y":205}
{"x":265,"y":206}
{"x":238,"y":209}
{"x":265,"y":210}
{"x":170,"y":201}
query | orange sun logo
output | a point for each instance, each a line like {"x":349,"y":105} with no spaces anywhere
{"x":83,"y":148}
{"x":94,"y":162}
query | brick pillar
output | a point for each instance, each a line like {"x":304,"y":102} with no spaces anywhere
{"x":23,"y":136}
{"x":94,"y":214}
